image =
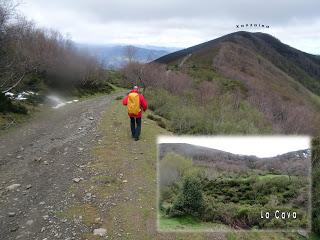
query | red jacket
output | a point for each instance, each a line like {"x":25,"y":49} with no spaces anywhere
{"x":143,"y":104}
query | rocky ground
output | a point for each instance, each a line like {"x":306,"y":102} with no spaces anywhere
{"x":38,"y":163}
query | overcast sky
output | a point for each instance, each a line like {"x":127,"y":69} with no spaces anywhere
{"x":176,"y":23}
{"x":266,"y":146}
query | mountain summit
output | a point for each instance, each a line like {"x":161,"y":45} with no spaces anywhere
{"x":281,"y":81}
{"x":299,"y":65}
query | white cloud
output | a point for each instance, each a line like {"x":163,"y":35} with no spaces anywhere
{"x":176,"y":23}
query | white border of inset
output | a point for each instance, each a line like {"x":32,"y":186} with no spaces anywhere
{"x":173,"y":137}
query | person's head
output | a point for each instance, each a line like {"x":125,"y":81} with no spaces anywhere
{"x":136,"y":88}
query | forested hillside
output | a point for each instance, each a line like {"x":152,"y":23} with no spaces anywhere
{"x":41,"y":66}
{"x":38,"y":60}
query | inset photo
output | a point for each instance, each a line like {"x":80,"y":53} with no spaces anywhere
{"x":228,"y":183}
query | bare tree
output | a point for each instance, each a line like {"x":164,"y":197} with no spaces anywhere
{"x":130,"y":52}
{"x":132,"y":72}
{"x":12,"y":67}
{"x":177,"y":82}
{"x":26,"y":50}
{"x":207,"y":91}
{"x":144,"y":75}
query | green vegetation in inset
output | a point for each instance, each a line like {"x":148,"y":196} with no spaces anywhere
{"x":190,"y":199}
{"x":234,"y":199}
{"x":316,"y":185}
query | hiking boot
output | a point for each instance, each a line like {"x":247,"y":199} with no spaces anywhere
{"x":136,"y":139}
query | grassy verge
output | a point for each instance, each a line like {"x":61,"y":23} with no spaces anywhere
{"x":188,"y":223}
{"x":113,"y":89}
{"x":9,"y":120}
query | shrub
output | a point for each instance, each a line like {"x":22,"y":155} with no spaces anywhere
{"x":157,"y":119}
{"x":190,"y":200}
{"x":162,"y":102}
{"x":116,"y":78}
{"x":248,"y":215}
{"x":316,"y":185}
{"x":224,"y":114}
{"x":152,"y":117}
{"x":6,"y":106}
{"x":169,"y":193}
{"x":173,"y":168}
{"x":35,"y":99}
{"x":188,"y":120}
{"x":119,"y":98}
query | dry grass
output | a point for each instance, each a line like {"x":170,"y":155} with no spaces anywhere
{"x":283,"y":100}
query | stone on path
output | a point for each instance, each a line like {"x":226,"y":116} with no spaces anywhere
{"x":77,"y":179}
{"x":100,"y":232}
{"x":13,"y":186}
{"x":11,"y":214}
{"x":29,"y":222}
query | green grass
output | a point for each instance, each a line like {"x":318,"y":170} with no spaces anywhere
{"x":202,"y":74}
{"x":238,"y":197}
{"x":264,"y":236}
{"x":206,"y":73}
{"x":87,"y":212}
{"x":249,"y":177}
{"x":10,"y":120}
{"x":314,"y":237}
{"x":111,"y":88}
{"x":272,"y":176}
{"x":188,"y":223}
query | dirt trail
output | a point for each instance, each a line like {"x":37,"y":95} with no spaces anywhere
{"x":43,"y":156}
{"x":123,"y":186}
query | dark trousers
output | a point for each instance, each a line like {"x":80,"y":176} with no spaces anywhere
{"x":135,"y":127}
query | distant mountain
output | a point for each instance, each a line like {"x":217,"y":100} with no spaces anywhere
{"x":280,"y":81}
{"x":301,"y":66}
{"x":293,"y":163}
{"x":115,"y":56}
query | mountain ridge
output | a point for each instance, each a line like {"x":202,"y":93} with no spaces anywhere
{"x":294,"y":62}
{"x":295,"y":162}
{"x":281,"y":82}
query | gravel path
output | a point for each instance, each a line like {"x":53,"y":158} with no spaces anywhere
{"x":38,"y":163}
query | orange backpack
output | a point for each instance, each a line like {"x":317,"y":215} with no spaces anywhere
{"x":133,"y":103}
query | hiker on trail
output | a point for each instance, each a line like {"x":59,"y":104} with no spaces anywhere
{"x":135,"y":103}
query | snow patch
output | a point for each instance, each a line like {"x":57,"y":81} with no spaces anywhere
{"x":20,"y":96}
{"x":9,"y":94}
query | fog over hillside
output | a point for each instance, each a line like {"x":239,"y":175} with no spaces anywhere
{"x":116,"y":56}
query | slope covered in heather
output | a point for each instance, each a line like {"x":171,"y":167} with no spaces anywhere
{"x":279,"y":81}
